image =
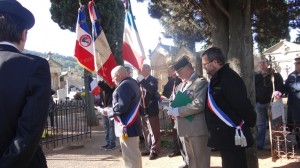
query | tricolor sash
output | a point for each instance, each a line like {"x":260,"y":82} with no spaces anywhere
{"x":239,"y":136}
{"x":131,"y":118}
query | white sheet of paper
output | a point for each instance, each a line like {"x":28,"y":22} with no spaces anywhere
{"x":118,"y":129}
{"x":277,"y":110}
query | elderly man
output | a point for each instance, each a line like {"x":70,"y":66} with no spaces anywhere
{"x":125,"y":104}
{"x":190,"y":119}
{"x":229,"y":113}
{"x":25,"y":90}
{"x":149,"y":111}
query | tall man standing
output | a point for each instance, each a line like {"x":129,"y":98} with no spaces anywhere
{"x":229,"y":112}
{"x":149,"y":111}
{"x":25,"y":90}
{"x":190,"y":119}
{"x":264,"y":90}
{"x":106,"y":101}
{"x":169,"y":88}
{"x":125,"y":110}
{"x":292,"y":86}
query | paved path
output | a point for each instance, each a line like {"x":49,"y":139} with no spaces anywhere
{"x":90,"y":156}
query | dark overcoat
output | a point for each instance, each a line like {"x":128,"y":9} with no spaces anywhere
{"x":25,"y":90}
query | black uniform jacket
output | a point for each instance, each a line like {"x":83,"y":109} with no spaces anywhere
{"x":150,"y":105}
{"x":25,"y":90}
{"x":229,"y":92}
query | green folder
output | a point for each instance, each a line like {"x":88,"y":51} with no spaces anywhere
{"x":182,"y":99}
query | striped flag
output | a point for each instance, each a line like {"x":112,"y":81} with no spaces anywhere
{"x":83,"y":47}
{"x":104,"y":59}
{"x":133,"y":51}
{"x":93,"y":86}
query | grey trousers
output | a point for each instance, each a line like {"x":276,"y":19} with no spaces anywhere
{"x":196,"y":153}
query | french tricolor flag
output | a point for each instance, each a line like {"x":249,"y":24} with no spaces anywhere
{"x":104,"y":59}
{"x":93,"y":86}
{"x":133,"y":51}
{"x":84,"y":47}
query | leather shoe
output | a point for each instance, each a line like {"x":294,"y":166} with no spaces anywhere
{"x":145,"y":153}
{"x":152,"y":156}
{"x":174,"y":153}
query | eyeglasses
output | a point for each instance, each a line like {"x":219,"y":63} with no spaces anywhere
{"x":206,"y":63}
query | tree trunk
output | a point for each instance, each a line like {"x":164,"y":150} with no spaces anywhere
{"x":90,"y":112}
{"x":218,"y":23}
{"x":240,"y":56}
{"x":230,"y":22}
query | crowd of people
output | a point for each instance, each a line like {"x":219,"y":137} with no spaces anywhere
{"x":214,"y":115}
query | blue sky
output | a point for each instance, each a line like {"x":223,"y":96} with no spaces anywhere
{"x":46,"y":35}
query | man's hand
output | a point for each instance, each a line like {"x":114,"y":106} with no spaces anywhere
{"x":140,"y":78}
{"x":277,"y":94}
{"x":105,"y":111}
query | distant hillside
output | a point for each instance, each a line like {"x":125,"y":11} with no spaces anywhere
{"x":65,"y":61}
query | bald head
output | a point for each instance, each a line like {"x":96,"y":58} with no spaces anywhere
{"x":146,"y":71}
{"x":118,"y":74}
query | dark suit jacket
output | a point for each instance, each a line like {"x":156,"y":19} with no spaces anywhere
{"x":125,"y":97}
{"x":151,"y":101}
{"x":230,"y":94}
{"x":105,"y":94}
{"x":25,"y":90}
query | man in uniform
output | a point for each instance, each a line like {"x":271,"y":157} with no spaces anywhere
{"x":292,"y":86}
{"x":149,"y":111}
{"x":190,"y":118}
{"x":25,"y":90}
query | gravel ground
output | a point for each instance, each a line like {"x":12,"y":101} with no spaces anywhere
{"x":90,"y":156}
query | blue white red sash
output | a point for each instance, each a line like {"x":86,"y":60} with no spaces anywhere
{"x":239,"y":136}
{"x":131,"y":118}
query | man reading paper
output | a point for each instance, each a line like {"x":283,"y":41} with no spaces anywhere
{"x":189,"y":118}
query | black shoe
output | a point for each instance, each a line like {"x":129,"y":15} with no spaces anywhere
{"x":145,"y":153}
{"x":152,"y":156}
{"x":174,"y":153}
{"x":109,"y":148}
{"x":104,"y":147}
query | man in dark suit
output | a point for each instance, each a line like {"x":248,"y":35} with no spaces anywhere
{"x":149,"y":111}
{"x":125,"y":110}
{"x":169,"y":88}
{"x":229,"y":113}
{"x":106,"y":101}
{"x":25,"y":90}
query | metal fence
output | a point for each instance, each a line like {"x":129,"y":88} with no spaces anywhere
{"x":284,"y":140}
{"x":164,"y":119}
{"x":66,"y":122}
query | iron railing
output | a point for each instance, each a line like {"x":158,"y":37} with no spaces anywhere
{"x":66,"y":122}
